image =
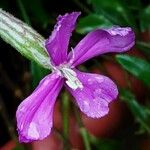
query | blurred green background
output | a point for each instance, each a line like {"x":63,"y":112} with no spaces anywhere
{"x":127,"y":126}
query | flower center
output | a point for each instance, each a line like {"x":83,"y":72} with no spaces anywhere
{"x":71,"y":76}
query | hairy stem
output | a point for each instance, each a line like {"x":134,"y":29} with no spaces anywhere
{"x":24,"y":39}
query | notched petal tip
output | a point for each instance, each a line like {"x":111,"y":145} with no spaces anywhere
{"x":103,"y":95}
{"x":97,"y":92}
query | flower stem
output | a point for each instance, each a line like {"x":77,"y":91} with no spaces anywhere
{"x":84,"y":133}
{"x":65,"y":114}
{"x":85,"y":137}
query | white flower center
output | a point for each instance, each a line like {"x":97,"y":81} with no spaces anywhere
{"x":71,"y":76}
{"x":72,"y":80}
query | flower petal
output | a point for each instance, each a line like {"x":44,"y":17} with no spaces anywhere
{"x":97,"y":92}
{"x":34,"y":114}
{"x":100,"y":41}
{"x":58,"y":42}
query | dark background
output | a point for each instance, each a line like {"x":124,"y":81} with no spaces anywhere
{"x":16,"y":79}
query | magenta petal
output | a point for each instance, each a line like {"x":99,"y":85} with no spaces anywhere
{"x":58,"y":42}
{"x":35,"y":113}
{"x":98,"y":42}
{"x":98,"y":91}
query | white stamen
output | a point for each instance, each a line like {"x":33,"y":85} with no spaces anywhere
{"x":72,"y":80}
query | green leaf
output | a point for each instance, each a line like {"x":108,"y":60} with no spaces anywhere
{"x":145,"y":18}
{"x":136,"y":66}
{"x":38,"y":73}
{"x":92,"y":22}
{"x":23,"y":38}
{"x":140,"y":112}
{"x":115,"y":10}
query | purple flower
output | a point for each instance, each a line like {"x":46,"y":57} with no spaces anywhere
{"x":92,"y":92}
